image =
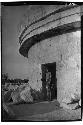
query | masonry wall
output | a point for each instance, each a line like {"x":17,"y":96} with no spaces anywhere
{"x":65,"y":51}
{"x":62,"y":49}
{"x":35,"y":76}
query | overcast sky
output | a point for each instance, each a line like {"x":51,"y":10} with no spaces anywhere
{"x":12,"y":62}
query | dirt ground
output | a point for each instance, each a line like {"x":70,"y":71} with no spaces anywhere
{"x":44,"y":111}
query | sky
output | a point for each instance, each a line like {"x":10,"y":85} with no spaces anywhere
{"x":12,"y":62}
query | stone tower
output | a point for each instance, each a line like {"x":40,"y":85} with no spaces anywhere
{"x":52,"y":34}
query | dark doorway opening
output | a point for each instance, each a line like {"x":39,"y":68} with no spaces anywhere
{"x":49,"y":68}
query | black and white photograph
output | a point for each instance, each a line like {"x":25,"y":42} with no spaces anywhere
{"x":41,"y":61}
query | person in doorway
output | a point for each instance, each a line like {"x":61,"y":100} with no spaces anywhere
{"x":48,"y":86}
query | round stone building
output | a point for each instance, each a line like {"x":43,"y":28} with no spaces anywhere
{"x":51,"y":41}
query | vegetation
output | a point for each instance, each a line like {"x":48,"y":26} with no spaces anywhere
{"x":11,"y":85}
{"x":6,"y":79}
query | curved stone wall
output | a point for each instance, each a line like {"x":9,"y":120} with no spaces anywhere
{"x":35,"y":12}
{"x":63,"y":47}
{"x":51,"y":49}
{"x":65,"y":50}
{"x":54,"y":23}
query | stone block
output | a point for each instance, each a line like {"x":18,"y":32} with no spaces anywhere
{"x":25,"y":95}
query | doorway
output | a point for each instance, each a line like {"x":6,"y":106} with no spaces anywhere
{"x":51,"y":68}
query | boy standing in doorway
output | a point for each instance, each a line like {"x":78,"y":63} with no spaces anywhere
{"x":48,"y":86}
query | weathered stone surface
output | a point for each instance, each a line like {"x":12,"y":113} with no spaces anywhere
{"x":50,"y":22}
{"x":35,"y":13}
{"x":22,"y":94}
{"x":25,"y":95}
{"x":7,"y":96}
{"x":63,"y":49}
{"x":70,"y":106}
{"x":68,"y":70}
{"x":35,"y":77}
{"x":16,"y":96}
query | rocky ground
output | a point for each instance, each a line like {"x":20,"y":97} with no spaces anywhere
{"x":44,"y":111}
